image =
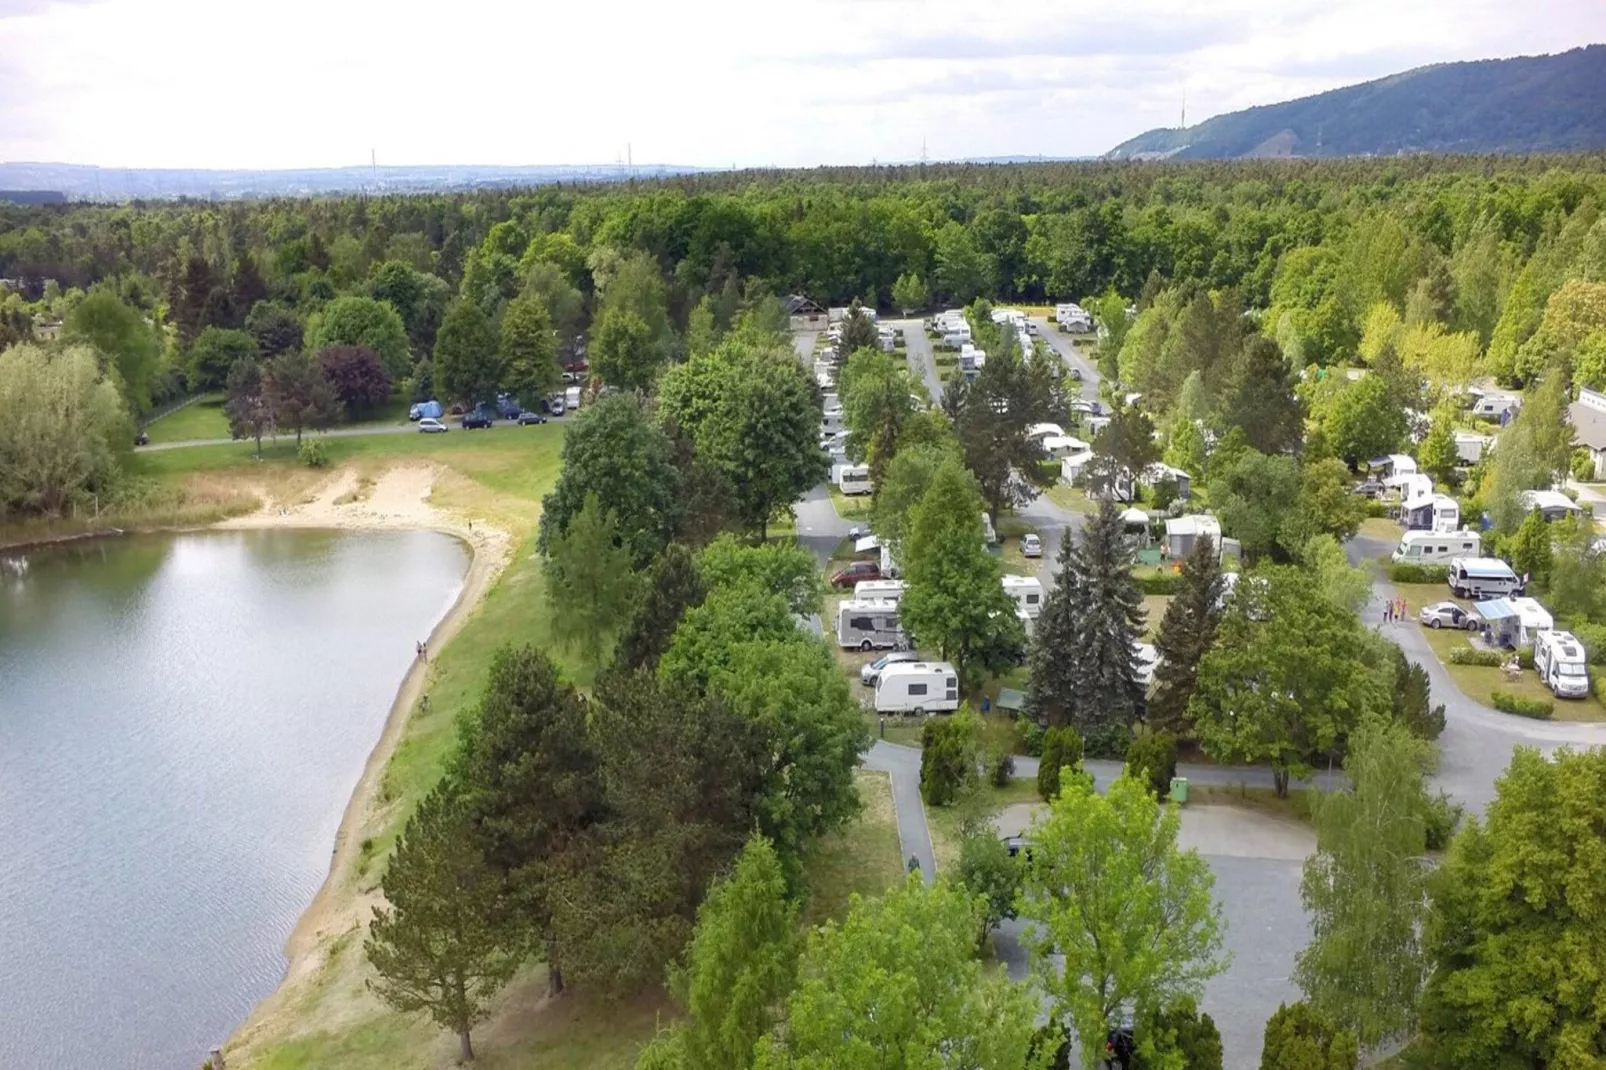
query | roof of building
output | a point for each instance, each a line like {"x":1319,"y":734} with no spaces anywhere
{"x":797,"y":304}
{"x":1589,"y":426}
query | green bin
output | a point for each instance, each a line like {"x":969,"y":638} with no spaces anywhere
{"x":1179,"y":789}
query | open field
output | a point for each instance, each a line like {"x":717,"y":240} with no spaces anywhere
{"x":202,"y":418}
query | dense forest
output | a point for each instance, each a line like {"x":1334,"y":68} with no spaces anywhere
{"x":1523,"y":104}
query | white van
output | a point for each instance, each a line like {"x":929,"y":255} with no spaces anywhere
{"x":1482,"y":577}
{"x":1437,"y":548}
{"x":869,"y":624}
{"x":917,"y":687}
{"x":831,"y":422}
{"x":854,"y":479}
{"x":890,"y":590}
{"x":1560,"y":662}
{"x":1027,"y":591}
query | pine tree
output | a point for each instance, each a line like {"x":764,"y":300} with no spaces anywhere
{"x":673,"y":586}
{"x":1531,"y":551}
{"x":443,"y":943}
{"x":532,"y":783}
{"x":1187,"y":630}
{"x":1084,"y":664}
{"x":589,"y":583}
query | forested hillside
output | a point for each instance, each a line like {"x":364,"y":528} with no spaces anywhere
{"x":1526,"y":104}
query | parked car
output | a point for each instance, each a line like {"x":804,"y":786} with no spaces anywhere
{"x":1449,"y":615}
{"x":431,"y":426}
{"x":474,"y":420}
{"x":1370,"y":488}
{"x":415,"y":412}
{"x":1031,"y":546}
{"x":555,"y":405}
{"x":142,"y":439}
{"x":530,"y":418}
{"x":859,"y":570}
{"x":872,"y":672}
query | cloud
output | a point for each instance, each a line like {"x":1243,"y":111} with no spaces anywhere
{"x":10,"y":9}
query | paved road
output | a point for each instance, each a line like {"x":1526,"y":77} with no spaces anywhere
{"x":922,"y":360}
{"x":902,"y":765}
{"x":338,"y":432}
{"x":1061,"y":343}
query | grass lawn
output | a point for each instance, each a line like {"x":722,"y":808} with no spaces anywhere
{"x":1381,"y":527}
{"x":1155,"y":605}
{"x":863,"y":858}
{"x":202,"y":418}
{"x":1068,"y":497}
{"x":854,"y":507}
{"x":1478,"y":682}
{"x":1265,"y":800}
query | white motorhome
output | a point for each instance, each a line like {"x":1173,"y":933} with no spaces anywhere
{"x":1561,"y":664}
{"x":1437,"y":548}
{"x":989,"y":536}
{"x":869,"y":624}
{"x":1027,"y":591}
{"x":571,"y":399}
{"x":917,"y":687}
{"x":854,"y":479}
{"x":1482,"y":577}
{"x":888,"y":590}
{"x":1072,"y":317}
{"x":830,"y":422}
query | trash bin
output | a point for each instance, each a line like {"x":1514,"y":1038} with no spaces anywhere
{"x":1179,"y":789}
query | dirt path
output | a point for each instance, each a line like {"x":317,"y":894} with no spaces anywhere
{"x":397,"y":500}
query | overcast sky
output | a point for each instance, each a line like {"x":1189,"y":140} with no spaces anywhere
{"x":300,"y":83}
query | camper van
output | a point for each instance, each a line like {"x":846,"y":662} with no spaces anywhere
{"x":869,"y":624}
{"x":854,"y":479}
{"x":1027,"y":591}
{"x":888,"y":590}
{"x":1482,"y":577}
{"x":571,"y":399}
{"x":917,"y":687}
{"x":1434,"y":548}
{"x":1560,"y":662}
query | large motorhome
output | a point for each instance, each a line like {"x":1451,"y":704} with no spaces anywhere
{"x":1560,"y":662}
{"x":869,"y":624}
{"x":1482,"y":577}
{"x":1437,"y":548}
{"x":917,"y":687}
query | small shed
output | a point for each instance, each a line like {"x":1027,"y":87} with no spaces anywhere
{"x":1552,"y":504}
{"x":1514,"y":622}
{"x":1159,"y":472}
{"x":1183,"y":531}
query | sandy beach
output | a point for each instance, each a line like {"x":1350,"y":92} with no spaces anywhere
{"x":397,"y":500}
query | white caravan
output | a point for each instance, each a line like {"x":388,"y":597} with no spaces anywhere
{"x":1560,"y":662}
{"x":889,"y":590}
{"x":1027,"y":591}
{"x":917,"y":687}
{"x":869,"y":624}
{"x":1437,"y":548}
{"x":854,"y":479}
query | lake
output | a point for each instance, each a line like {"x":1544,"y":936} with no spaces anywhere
{"x":182,"y":721}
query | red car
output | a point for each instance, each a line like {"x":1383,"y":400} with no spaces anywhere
{"x":859,"y":570}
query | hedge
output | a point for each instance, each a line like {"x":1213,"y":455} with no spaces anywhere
{"x":1593,"y":636}
{"x":1470,"y":655}
{"x":1159,"y":583}
{"x":1537,"y":708}
{"x":1406,"y":572}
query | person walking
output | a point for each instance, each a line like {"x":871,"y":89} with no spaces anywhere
{"x":1388,"y":611}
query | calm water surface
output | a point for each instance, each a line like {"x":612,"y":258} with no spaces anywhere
{"x":182,"y":720}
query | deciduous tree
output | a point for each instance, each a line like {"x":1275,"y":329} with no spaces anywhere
{"x":215,"y":353}
{"x":246,"y":402}
{"x":363,"y":321}
{"x":529,"y":350}
{"x":622,"y":350}
{"x":781,"y":568}
{"x":956,"y":601}
{"x":275,"y":328}
{"x":358,"y":377}
{"x":298,"y":393}
{"x":1365,"y":888}
{"x":896,"y":985}
{"x":670,"y":586}
{"x":121,"y":335}
{"x":1131,"y":913}
{"x":467,"y":365}
{"x":66,"y":429}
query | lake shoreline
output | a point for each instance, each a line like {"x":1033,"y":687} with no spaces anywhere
{"x":397,"y":501}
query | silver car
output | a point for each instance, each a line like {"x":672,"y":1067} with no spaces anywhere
{"x":1031,"y":546}
{"x":1449,"y":615}
{"x":872,"y":672}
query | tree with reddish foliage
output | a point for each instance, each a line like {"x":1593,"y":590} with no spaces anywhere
{"x":358,"y":376}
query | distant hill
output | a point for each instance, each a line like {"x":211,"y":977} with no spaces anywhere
{"x":1528,"y":104}
{"x":33,"y":196}
{"x":82,"y":182}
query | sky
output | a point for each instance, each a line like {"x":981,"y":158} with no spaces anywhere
{"x":715,"y":83}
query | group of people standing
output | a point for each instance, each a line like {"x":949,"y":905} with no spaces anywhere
{"x":1395,"y":609}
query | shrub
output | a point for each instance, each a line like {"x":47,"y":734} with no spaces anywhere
{"x":1107,"y":741}
{"x":1442,"y":818}
{"x":1061,"y":747}
{"x":1376,"y":510}
{"x":1152,"y":756}
{"x":1472,"y":655}
{"x":1525,"y":656}
{"x":1406,"y":572}
{"x":1031,"y":739}
{"x":1159,"y":582}
{"x":1183,"y":1030}
{"x":1299,"y":1037}
{"x":313,"y":453}
{"x":1593,"y":636}
{"x":947,"y":759}
{"x":1540,"y":709}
